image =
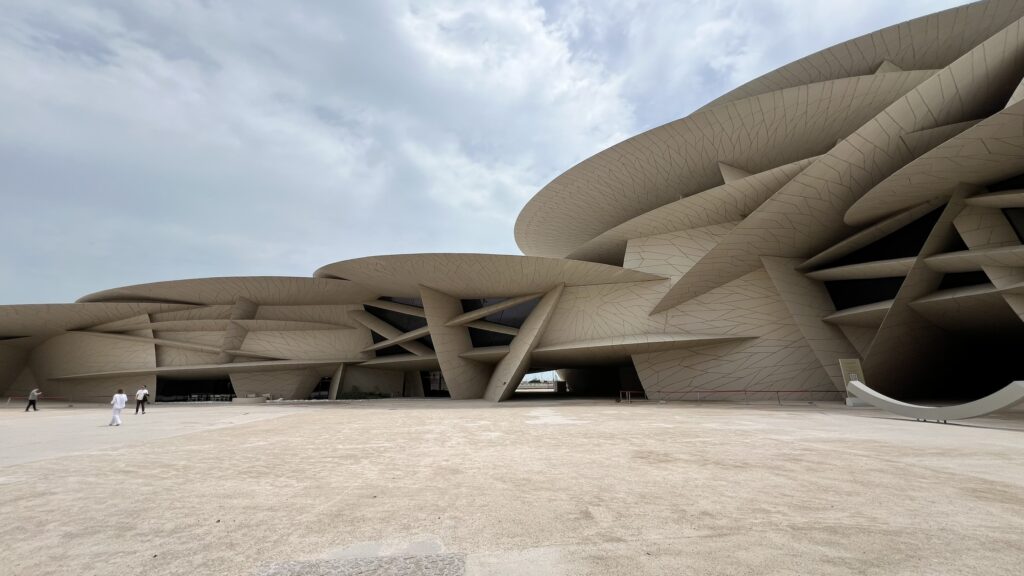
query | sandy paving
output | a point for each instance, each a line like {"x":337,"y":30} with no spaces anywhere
{"x":530,"y":487}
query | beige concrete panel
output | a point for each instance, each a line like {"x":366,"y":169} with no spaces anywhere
{"x":330,"y":314}
{"x":922,"y":141}
{"x":806,"y":215}
{"x":861,"y":337}
{"x":400,"y":308}
{"x":619,"y":349}
{"x":235,"y":332}
{"x":289,"y":325}
{"x":907,"y":351}
{"x":221,"y":311}
{"x":24,"y":383}
{"x":673,"y":254}
{"x":1005,"y":199}
{"x":681,"y":158}
{"x":809,"y":303}
{"x":870,"y":234}
{"x":726,"y":203}
{"x":288,"y":384}
{"x":486,"y":354}
{"x":886,"y":67}
{"x":596,"y":312}
{"x":80,"y":352}
{"x":176,"y":356}
{"x":359,"y":379}
{"x":492,"y":327}
{"x":866,"y":316}
{"x":974,"y":260}
{"x":13,"y":360}
{"x":466,"y":378}
{"x":510,"y":370}
{"x":747,"y":306}
{"x":990,"y":151}
{"x":325,"y":367}
{"x":169,"y":326}
{"x":894,"y":268}
{"x":784,"y":362}
{"x":475,"y":275}
{"x":403,"y":362}
{"x":731,"y":173}
{"x":142,"y":321}
{"x":387,"y":331}
{"x":309,"y":345}
{"x":51,"y":319}
{"x":208,"y":341}
{"x":281,"y":290}
{"x":928,"y":42}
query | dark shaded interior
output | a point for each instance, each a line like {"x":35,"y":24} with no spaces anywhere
{"x":193,"y":390}
{"x":903,"y":243}
{"x":852,"y":293}
{"x":963,"y":279}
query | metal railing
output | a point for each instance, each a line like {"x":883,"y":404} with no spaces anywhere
{"x":702,"y":394}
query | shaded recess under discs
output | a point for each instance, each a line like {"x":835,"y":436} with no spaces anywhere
{"x":865,"y":202}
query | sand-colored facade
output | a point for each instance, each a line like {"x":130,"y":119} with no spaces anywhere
{"x":864,"y":202}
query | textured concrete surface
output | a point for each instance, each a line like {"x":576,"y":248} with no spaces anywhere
{"x":527,"y":487}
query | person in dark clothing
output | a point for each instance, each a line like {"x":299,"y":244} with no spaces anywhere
{"x":141,"y":397}
{"x":32,"y":397}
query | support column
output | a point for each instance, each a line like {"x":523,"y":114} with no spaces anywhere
{"x":332,"y":394}
{"x":465,"y":378}
{"x":510,"y":370}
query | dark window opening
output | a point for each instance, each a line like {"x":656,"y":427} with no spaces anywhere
{"x":199,"y":390}
{"x":1016,"y":218}
{"x":434,"y":385}
{"x":852,"y":293}
{"x":1014,"y":183}
{"x":322,"y":390}
{"x":962,"y":279}
{"x":906,"y":241}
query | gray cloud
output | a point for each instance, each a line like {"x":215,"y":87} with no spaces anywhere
{"x":143,"y":142}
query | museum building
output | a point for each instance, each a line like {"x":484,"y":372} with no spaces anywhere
{"x":863,"y":203}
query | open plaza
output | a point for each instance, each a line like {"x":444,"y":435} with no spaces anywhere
{"x":428,"y":486}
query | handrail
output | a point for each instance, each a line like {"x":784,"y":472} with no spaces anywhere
{"x":747,"y":393}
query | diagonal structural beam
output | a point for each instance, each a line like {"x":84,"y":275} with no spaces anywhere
{"x":397,"y":307}
{"x":511,"y":369}
{"x":488,"y":310}
{"x":492,"y":327}
{"x":387,"y":331}
{"x":400,"y":339}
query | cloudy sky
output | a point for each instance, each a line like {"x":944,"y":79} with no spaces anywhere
{"x":173,"y":139}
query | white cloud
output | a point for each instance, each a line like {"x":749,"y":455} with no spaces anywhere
{"x":179,"y":139}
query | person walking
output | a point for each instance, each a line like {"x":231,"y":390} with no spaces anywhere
{"x":141,"y":397}
{"x":32,"y":397}
{"x":118,"y":402}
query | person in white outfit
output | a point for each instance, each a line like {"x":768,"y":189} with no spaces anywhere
{"x":118,"y":402}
